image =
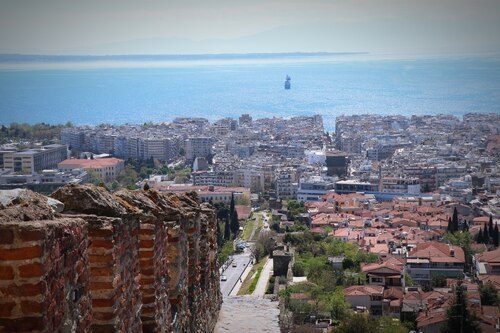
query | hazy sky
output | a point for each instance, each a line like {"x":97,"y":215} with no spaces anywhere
{"x":241,"y":26}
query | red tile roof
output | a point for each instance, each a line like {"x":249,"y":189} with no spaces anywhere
{"x":87,"y":163}
{"x":438,"y":252}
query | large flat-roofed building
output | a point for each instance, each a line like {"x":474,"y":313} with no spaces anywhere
{"x":336,"y":163}
{"x":35,"y":160}
{"x":198,"y":147}
{"x":313,"y":188}
{"x":106,"y":168}
{"x":401,"y":185}
{"x":209,"y":193}
{"x":352,"y":186}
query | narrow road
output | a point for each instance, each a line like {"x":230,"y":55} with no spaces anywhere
{"x":260,"y":289}
{"x":249,"y":313}
{"x":233,"y":273}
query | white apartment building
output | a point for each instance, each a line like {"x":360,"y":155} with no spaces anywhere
{"x":198,"y":147}
{"x":35,"y":160}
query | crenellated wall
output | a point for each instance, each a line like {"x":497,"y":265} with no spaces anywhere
{"x":131,"y":261}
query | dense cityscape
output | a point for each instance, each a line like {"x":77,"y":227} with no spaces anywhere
{"x":392,"y":216}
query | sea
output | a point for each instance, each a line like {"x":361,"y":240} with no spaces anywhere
{"x":139,"y":89}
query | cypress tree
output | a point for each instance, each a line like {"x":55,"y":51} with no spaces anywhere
{"x":454,"y":220}
{"x":486,"y":235}
{"x":495,"y":235}
{"x":479,"y":238}
{"x":449,"y":224}
{"x":220,"y":236}
{"x":458,"y":317}
{"x":235,"y":224}
{"x":490,"y":226}
{"x":231,"y":207}
{"x":227,"y":230}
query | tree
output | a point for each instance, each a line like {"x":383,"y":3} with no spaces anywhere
{"x":94,"y":177}
{"x":258,"y":251}
{"x":488,"y":293}
{"x":490,"y":226}
{"x":235,"y":224}
{"x":337,"y":305}
{"x":450,"y":226}
{"x":231,"y":205}
{"x":454,"y":220}
{"x":357,"y":323}
{"x":458,"y":317}
{"x":127,"y":177}
{"x":486,"y":235}
{"x":220,"y":236}
{"x":266,"y":239}
{"x":298,"y":269}
{"x":495,"y":235}
{"x":227,"y":230}
{"x":479,"y":237}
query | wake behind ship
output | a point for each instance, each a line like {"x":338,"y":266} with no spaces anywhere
{"x":287,"y":82}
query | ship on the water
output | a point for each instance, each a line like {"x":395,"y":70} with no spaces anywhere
{"x":287,"y":82}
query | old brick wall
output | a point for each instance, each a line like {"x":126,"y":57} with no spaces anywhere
{"x":44,"y":276}
{"x":130,"y":261}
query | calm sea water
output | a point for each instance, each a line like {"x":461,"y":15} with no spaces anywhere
{"x":136,"y":94}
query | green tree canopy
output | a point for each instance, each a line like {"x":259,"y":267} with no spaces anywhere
{"x":459,"y":319}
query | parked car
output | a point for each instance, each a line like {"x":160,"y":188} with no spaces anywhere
{"x":234,"y":264}
{"x":223,"y":278}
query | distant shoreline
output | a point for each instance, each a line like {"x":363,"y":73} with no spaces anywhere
{"x":164,"y":57}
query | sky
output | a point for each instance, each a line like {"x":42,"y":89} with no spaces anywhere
{"x":101,"y":27}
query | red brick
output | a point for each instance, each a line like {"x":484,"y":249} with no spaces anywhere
{"x":6,"y":273}
{"x":101,"y":271}
{"x":147,"y":271}
{"x":24,"y":324}
{"x":28,"y":289}
{"x":144,"y":231}
{"x":100,"y":258}
{"x":30,"y":307}
{"x":29,"y":235}
{"x":103,"y":303}
{"x":31,"y":270}
{"x":148,"y":300}
{"x":146,"y":243}
{"x":108,"y":232}
{"x":104,"y":316}
{"x":21,"y":253}
{"x":101,"y":285}
{"x":146,"y":254}
{"x":6,"y":236}
{"x":6,"y":308}
{"x":106,"y":244}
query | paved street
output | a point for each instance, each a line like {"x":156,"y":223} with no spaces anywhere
{"x":233,"y":273}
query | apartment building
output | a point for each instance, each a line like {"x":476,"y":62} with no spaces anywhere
{"x":286,"y":183}
{"x":433,"y":259}
{"x":35,"y":160}
{"x":401,"y":185}
{"x":311,"y":189}
{"x":106,"y":168}
{"x":198,"y":147}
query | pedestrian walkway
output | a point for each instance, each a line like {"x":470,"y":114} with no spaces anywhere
{"x":260,"y":289}
{"x":248,"y":314}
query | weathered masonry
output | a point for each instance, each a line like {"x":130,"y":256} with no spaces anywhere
{"x":95,"y":261}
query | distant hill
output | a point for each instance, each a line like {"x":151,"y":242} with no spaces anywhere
{"x":164,"y":57}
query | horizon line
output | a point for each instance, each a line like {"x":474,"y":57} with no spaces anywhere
{"x":193,"y":56}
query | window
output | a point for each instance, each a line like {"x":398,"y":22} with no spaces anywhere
{"x":377,"y":279}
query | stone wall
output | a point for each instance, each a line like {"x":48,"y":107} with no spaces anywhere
{"x":130,"y":261}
